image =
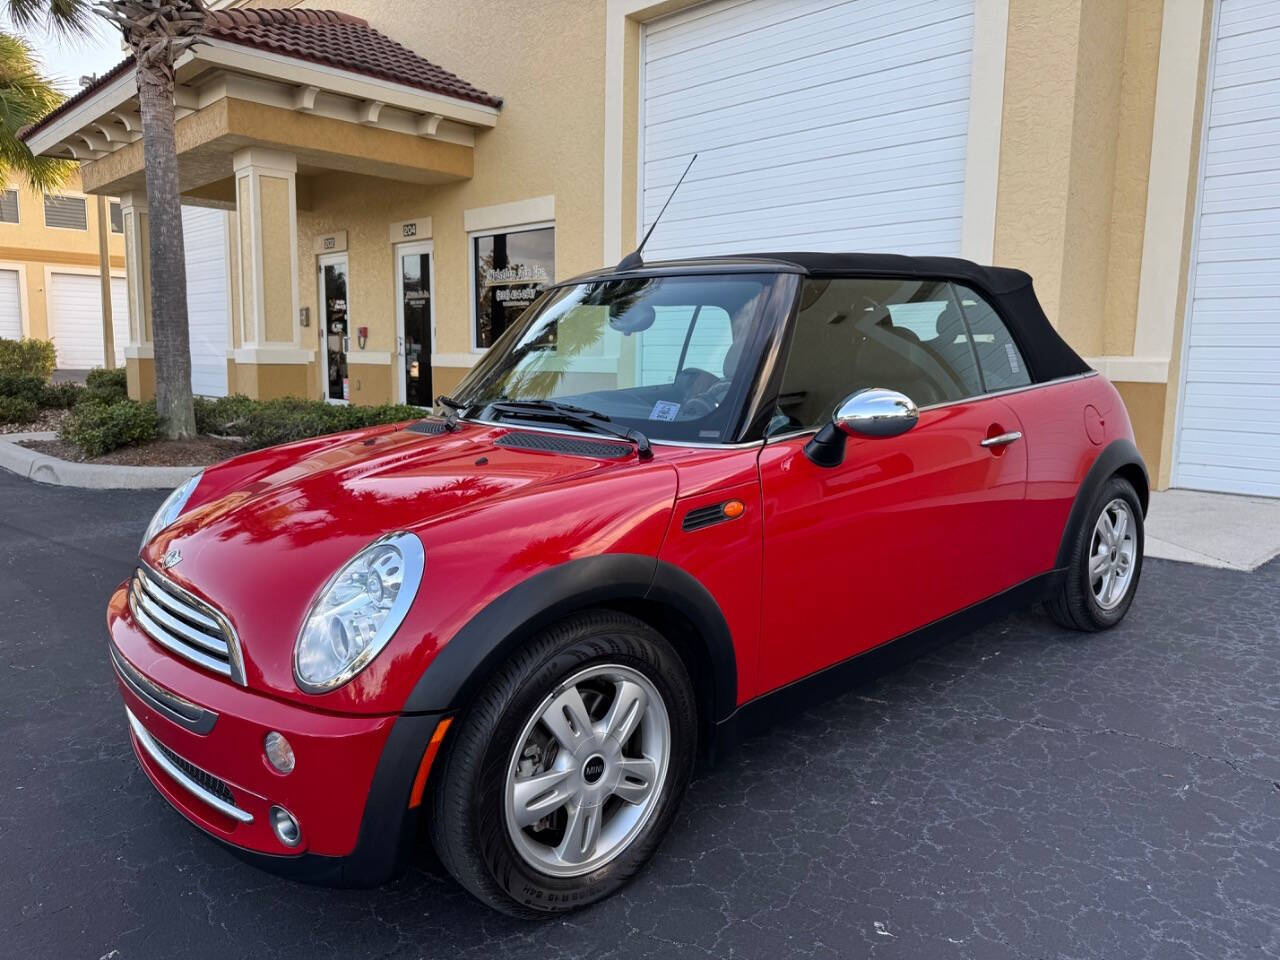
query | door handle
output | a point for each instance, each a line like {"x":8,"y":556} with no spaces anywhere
{"x":1003,"y":439}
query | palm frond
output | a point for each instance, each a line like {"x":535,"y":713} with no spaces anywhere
{"x":25,"y":97}
{"x":62,"y":16}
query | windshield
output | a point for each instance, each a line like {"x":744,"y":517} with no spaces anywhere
{"x":670,"y":356}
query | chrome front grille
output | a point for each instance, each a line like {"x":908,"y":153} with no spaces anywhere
{"x":185,"y":625}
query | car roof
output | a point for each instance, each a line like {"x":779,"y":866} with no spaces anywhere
{"x":1009,"y":290}
{"x":993,"y":280}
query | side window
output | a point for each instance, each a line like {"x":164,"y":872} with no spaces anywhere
{"x":998,"y":356}
{"x":905,"y":335}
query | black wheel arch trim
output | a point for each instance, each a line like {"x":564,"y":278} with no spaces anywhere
{"x":1115,"y":457}
{"x":488,"y":638}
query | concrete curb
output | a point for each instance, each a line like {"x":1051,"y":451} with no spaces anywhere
{"x":43,"y":468}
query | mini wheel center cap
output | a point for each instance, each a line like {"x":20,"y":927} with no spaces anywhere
{"x":593,"y":769}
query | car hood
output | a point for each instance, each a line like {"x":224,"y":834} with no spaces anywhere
{"x":264,"y":533}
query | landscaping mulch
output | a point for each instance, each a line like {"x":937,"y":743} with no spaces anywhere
{"x":162,"y":453}
{"x":48,"y":420}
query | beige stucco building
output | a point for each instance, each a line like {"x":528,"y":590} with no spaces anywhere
{"x":50,"y":274}
{"x":378,"y":217}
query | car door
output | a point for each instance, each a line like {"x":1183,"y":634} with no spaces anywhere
{"x":907,"y":529}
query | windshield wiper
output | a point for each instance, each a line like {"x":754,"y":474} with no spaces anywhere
{"x":570,"y":414}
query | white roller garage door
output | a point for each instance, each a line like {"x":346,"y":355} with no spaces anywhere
{"x":204,"y":239}
{"x":1229,"y":427}
{"x":10,"y":305}
{"x":75,"y":319}
{"x":818,"y":125}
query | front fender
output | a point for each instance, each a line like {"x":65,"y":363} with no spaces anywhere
{"x":487,"y":639}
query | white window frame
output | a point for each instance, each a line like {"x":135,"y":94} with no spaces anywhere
{"x":82,"y":197}
{"x":471,"y":269}
{"x":17,"y":206}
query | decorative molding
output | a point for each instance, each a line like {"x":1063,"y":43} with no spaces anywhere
{"x":428,"y":124}
{"x":1172,"y":174}
{"x":345,"y":83}
{"x":456,"y":360}
{"x":1132,"y":369}
{"x":273,"y":354}
{"x":331,"y":242}
{"x":403,"y":231}
{"x":503,"y":216}
{"x":304,"y":98}
{"x":369,"y":111}
{"x":982,"y":146}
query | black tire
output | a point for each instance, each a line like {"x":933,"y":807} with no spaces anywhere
{"x":1075,"y":606}
{"x":467,"y":812}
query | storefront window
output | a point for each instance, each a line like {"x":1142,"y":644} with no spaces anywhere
{"x":511,"y":269}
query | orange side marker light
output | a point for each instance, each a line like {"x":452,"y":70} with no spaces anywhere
{"x":733,"y":508}
{"x":428,"y":756}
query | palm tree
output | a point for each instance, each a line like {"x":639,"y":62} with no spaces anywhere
{"x":158,"y":31}
{"x":26,"y":96}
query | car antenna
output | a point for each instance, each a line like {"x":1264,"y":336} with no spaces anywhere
{"x":633,"y":259}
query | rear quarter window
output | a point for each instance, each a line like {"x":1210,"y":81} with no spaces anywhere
{"x":1000,"y":360}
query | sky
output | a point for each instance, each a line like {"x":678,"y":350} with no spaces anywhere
{"x":65,"y":60}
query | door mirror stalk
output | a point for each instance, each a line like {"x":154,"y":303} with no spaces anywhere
{"x":871,"y":413}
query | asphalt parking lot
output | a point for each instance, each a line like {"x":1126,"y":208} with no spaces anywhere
{"x":1024,"y":793}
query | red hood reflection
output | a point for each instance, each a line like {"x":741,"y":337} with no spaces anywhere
{"x":263,"y":533}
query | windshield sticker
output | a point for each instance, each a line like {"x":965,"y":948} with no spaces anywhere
{"x":1013,"y":357}
{"x":664,"y":410}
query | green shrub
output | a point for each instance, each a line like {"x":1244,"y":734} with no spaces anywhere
{"x":61,"y":396}
{"x":33,"y":358}
{"x":22,"y":385}
{"x":224,"y":416}
{"x":109,"y":386}
{"x":271,"y":422}
{"x":17,"y":410}
{"x":95,"y":428}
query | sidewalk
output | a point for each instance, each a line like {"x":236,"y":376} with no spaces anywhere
{"x":1214,"y":529}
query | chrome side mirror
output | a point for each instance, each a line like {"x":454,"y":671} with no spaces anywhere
{"x":872,"y":412}
{"x":876,"y":412}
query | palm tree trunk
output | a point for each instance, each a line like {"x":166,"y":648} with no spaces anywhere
{"x":168,"y":265}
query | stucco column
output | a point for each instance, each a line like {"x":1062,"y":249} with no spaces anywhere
{"x":139,"y":356}
{"x":270,"y":360}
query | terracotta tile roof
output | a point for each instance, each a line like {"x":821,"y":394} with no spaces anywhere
{"x":325,"y":37}
{"x":342,"y":41}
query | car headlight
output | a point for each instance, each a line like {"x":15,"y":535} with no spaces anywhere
{"x":358,"y":612}
{"x":171,"y":508}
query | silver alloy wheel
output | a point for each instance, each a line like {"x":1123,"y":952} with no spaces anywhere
{"x":587,"y":770}
{"x":1113,"y":549}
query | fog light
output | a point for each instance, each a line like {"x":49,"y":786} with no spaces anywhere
{"x":279,"y":753}
{"x":286,"y":828}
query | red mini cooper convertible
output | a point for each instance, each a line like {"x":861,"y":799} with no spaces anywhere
{"x":670,"y":501}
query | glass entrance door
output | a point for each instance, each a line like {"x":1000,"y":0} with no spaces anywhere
{"x":335,"y":324}
{"x":413,"y":304}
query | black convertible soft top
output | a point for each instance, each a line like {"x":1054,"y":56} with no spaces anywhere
{"x":1010,"y":291}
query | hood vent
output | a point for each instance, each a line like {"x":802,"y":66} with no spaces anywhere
{"x":429,"y":427}
{"x":554,"y":443}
